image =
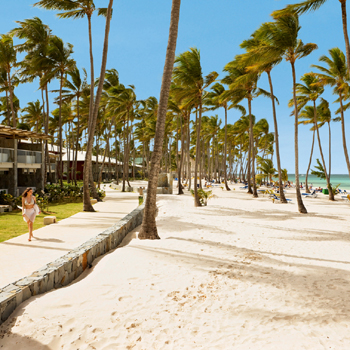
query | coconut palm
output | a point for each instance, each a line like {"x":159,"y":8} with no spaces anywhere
{"x":313,"y":5}
{"x":266,"y":168}
{"x":75,"y":87}
{"x":149,"y":228}
{"x":310,"y":91}
{"x":258,"y":40}
{"x":284,"y":42}
{"x":336,"y":75}
{"x":8,"y":60}
{"x":59,"y":57}
{"x":33,"y":116}
{"x":191,"y":83}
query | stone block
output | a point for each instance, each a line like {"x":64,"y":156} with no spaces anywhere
{"x":93,"y":201}
{"x":48,"y":220}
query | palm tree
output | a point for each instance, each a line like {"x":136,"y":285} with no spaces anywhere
{"x":215,"y":98}
{"x":243,"y":85}
{"x":8,"y":60}
{"x":96,"y":105}
{"x":149,"y":228}
{"x":310,"y":91}
{"x":336,"y":75}
{"x":259,"y":39}
{"x":75,"y":90}
{"x":189,"y":78}
{"x":265,"y":166}
{"x":33,"y":116}
{"x":284,"y":42}
{"x":313,"y":5}
{"x":59,"y":57}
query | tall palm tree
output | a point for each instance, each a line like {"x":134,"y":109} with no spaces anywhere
{"x":313,"y":5}
{"x":96,"y":106}
{"x":149,"y":228}
{"x":310,"y":91}
{"x":59,"y":57}
{"x":77,"y":9}
{"x":8,"y":60}
{"x":243,"y":85}
{"x":189,"y":76}
{"x":259,"y":39}
{"x":284,"y":42}
{"x":336,"y":75}
{"x":75,"y":90}
{"x":216,"y":98}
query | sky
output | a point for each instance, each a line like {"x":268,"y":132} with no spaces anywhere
{"x":137,"y":47}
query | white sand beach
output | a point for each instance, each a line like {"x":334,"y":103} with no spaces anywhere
{"x":241,"y":273}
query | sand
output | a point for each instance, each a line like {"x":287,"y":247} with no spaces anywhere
{"x":241,"y":273}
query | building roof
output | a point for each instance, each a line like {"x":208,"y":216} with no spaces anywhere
{"x":81,"y":156}
{"x":8,"y":131}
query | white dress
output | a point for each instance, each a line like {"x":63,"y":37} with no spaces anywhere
{"x":29,"y":214}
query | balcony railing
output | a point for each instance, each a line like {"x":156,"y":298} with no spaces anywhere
{"x":28,"y":157}
{"x":6,"y":155}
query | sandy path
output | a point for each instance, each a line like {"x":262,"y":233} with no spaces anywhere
{"x":238,"y":274}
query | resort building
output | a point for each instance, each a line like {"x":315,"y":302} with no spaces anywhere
{"x":21,"y":160}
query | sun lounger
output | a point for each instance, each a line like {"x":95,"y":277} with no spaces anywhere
{"x":278,"y":198}
{"x":346,"y":198}
{"x":243,"y":188}
{"x":310,"y":195}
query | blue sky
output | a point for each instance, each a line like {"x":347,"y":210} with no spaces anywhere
{"x":138,"y":39}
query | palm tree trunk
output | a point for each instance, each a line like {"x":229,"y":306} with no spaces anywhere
{"x":14,"y":120}
{"x":124,"y":157}
{"x":282,"y":196}
{"x":309,"y":166}
{"x":180,"y":191}
{"x":189,"y":155}
{"x":198,"y":152}
{"x":343,"y":133}
{"x":255,"y":193}
{"x":301,"y":206}
{"x":149,"y":228}
{"x":60,"y":132}
{"x":330,"y":192}
{"x":225,"y":151}
{"x":47,"y":157}
{"x":77,"y":141}
{"x":330,"y":150}
{"x":88,"y":157}
{"x":345,"y":31}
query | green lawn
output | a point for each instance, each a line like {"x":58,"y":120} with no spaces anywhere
{"x":13,"y":225}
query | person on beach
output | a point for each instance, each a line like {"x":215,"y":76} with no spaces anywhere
{"x":28,"y":210}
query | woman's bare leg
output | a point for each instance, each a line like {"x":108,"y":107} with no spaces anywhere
{"x":29,"y":229}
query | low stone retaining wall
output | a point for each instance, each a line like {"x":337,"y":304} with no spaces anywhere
{"x":64,"y":270}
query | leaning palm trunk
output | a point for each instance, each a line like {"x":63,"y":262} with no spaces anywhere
{"x":343,"y":132}
{"x":149,"y":227}
{"x":282,"y":197}
{"x":330,"y":150}
{"x":301,"y":206}
{"x":330,"y":192}
{"x":189,"y":156}
{"x":309,"y":166}
{"x":88,"y":157}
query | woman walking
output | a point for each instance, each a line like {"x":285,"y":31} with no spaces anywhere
{"x":28,"y":210}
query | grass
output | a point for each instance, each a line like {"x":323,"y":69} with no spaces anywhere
{"x":13,"y":225}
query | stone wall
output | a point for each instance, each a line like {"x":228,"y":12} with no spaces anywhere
{"x":64,"y":270}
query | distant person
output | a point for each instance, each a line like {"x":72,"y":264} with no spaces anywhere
{"x":28,"y":210}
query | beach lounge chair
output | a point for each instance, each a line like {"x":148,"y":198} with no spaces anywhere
{"x":273,"y":196}
{"x":346,"y":198}
{"x":313,"y":194}
{"x":243,"y":188}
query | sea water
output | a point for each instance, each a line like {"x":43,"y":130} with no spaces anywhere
{"x":336,"y":179}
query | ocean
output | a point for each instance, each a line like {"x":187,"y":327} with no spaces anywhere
{"x":342,"y":179}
